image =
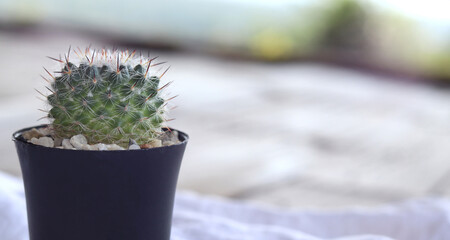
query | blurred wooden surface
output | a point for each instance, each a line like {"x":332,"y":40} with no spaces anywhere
{"x":291,"y":134}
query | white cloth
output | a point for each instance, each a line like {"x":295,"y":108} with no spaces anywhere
{"x":207,"y":218}
{"x":13,"y":212}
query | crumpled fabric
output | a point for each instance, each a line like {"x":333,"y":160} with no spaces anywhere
{"x":199,"y":217}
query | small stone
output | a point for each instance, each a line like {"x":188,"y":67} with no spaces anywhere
{"x":168,"y":143}
{"x":133,"y":147}
{"x":33,"y":133}
{"x":45,"y":131}
{"x":101,"y":147}
{"x":78,"y":141}
{"x":58,"y":142}
{"x":164,"y":136}
{"x":43,"y":141}
{"x":114,"y":147}
{"x":145,"y":146}
{"x":169,"y":138}
{"x":152,"y":144}
{"x":89,"y":147}
{"x":132,"y":142}
{"x":156,"y":143}
{"x":175,"y":136}
{"x":66,"y":144}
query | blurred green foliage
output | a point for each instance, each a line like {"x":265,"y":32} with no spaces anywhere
{"x":351,"y":30}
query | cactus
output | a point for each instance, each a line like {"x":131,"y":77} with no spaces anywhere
{"x":108,"y":96}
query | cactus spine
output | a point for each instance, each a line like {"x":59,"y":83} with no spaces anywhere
{"x":108,"y":96}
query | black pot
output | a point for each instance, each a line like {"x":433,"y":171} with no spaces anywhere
{"x":99,"y":195}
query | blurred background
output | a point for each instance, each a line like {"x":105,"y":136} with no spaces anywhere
{"x":302,"y":104}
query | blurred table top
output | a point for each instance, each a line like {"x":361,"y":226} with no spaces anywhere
{"x":290,"y":134}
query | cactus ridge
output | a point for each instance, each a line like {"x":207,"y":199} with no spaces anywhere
{"x":108,"y":96}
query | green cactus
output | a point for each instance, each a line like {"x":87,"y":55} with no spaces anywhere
{"x":108,"y":96}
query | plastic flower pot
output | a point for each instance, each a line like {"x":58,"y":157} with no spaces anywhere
{"x":99,"y":195}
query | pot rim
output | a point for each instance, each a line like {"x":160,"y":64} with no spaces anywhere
{"x":17,"y":137}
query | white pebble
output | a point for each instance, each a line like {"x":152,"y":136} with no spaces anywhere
{"x":156,"y":143}
{"x":175,"y":136}
{"x":66,"y":144}
{"x":89,"y":147}
{"x":43,"y":141}
{"x":168,"y":143}
{"x":133,"y":147}
{"x":101,"y":147}
{"x":45,"y":131}
{"x":114,"y":147}
{"x":78,"y":141}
